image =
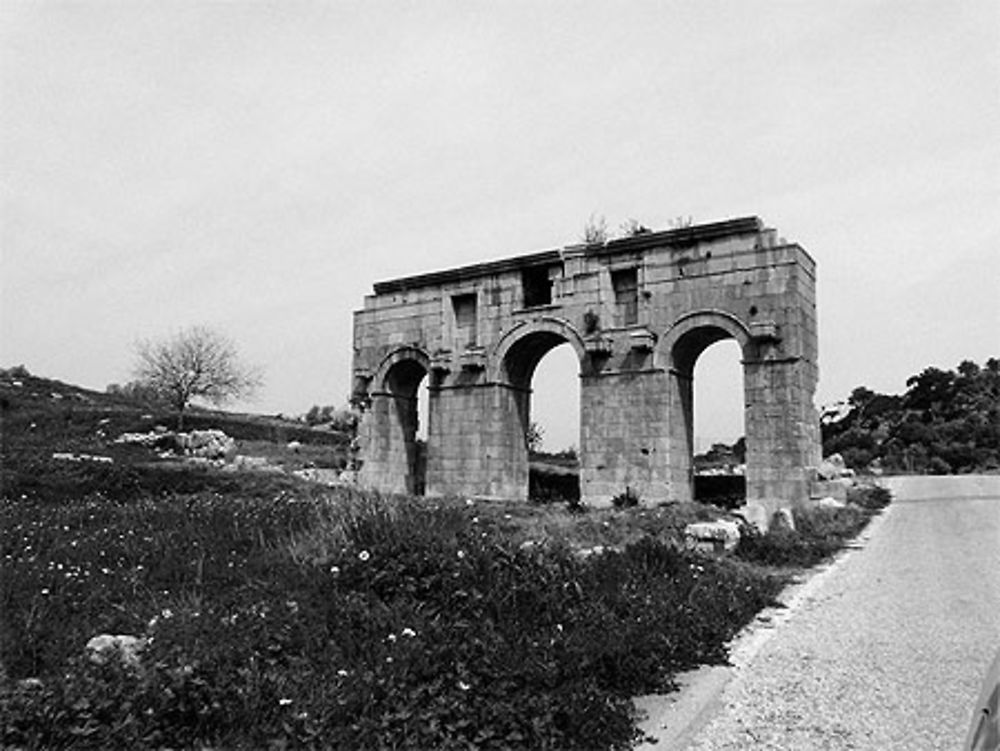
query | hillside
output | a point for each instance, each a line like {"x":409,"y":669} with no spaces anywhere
{"x":43,"y":420}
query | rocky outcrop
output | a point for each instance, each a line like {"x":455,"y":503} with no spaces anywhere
{"x":203,"y":444}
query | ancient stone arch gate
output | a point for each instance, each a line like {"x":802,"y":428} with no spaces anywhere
{"x":638,"y":312}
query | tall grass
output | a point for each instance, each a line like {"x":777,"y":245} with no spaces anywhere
{"x":341,"y":621}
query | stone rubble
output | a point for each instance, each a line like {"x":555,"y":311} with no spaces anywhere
{"x":105,"y":647}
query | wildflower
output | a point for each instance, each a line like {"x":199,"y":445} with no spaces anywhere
{"x":408,"y":632}
{"x":469,"y":502}
{"x":461,"y":554}
{"x":464,"y":686}
{"x":334,"y":570}
{"x":391,"y":637}
{"x":342,"y":673}
{"x":284,"y":702}
{"x":45,"y":590}
{"x":364,"y":555}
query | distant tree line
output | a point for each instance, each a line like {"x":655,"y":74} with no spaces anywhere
{"x":946,"y":422}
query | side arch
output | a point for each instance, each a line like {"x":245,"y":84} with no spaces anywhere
{"x":402,"y":354}
{"x":549,"y":331}
{"x":391,"y":457}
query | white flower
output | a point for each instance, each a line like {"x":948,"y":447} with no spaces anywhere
{"x":408,"y":632}
{"x":334,"y":570}
{"x":284,"y":702}
{"x":464,"y":686}
{"x":391,"y":637}
{"x":342,"y":673}
{"x":461,"y":554}
{"x":364,"y":555}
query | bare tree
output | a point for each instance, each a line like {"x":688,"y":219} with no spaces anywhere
{"x":195,"y":363}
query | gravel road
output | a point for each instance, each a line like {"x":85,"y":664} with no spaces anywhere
{"x":888,"y":648}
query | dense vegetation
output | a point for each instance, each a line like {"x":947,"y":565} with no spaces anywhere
{"x":283,"y":614}
{"x":946,"y":422}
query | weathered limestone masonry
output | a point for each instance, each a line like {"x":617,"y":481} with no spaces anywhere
{"x":638,"y":312}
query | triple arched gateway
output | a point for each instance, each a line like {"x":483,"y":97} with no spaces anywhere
{"x":637,"y":312}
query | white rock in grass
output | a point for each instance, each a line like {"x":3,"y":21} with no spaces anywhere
{"x":126,"y":648}
{"x":830,"y":502}
{"x":714,"y":536}
{"x":783,"y":520}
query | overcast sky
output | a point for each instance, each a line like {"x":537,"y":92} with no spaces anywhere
{"x":256,"y":166}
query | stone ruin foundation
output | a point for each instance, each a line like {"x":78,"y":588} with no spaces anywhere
{"x":637,"y":312}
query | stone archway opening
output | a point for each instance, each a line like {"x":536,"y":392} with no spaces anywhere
{"x":554,"y":410}
{"x":544,"y":359}
{"x":402,"y":444}
{"x":685,"y":354}
{"x":719,"y":412}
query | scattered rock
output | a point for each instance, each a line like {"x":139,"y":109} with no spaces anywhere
{"x":294,"y":446}
{"x":783,"y":521}
{"x":66,"y":457}
{"x":209,"y":444}
{"x":252,"y":464}
{"x":833,"y":468}
{"x":830,"y":502}
{"x":585,"y":553}
{"x":106,"y":647}
{"x":714,"y":536}
{"x":322,"y":476}
{"x":205,"y":444}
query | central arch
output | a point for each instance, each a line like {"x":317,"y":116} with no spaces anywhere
{"x":515,"y":359}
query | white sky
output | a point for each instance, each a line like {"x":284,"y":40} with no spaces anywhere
{"x":257,"y":166}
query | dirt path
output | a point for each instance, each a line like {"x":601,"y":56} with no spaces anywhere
{"x":884,"y":650}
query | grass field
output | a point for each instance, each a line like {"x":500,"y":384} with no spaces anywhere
{"x":277,"y":613}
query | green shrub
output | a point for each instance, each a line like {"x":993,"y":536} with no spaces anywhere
{"x":818,"y":534}
{"x":871,"y":497}
{"x":628,"y":499}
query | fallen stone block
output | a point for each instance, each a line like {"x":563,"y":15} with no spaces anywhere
{"x":716,"y":536}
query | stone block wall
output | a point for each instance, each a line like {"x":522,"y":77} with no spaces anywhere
{"x":638,"y":312}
